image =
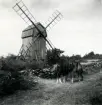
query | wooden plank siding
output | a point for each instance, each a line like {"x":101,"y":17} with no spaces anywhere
{"x":37,"y":48}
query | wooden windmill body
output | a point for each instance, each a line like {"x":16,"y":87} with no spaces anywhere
{"x":38,"y":48}
{"x":34,"y":37}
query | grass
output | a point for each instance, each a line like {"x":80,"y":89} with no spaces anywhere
{"x":48,"y":92}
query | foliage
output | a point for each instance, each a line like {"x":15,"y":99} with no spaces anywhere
{"x":11,"y":63}
{"x":92,"y":55}
{"x":11,"y":77}
{"x":65,"y":62}
{"x":76,"y":58}
{"x":49,"y":72}
{"x":53,"y":56}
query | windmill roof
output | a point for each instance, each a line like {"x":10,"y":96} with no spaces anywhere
{"x":31,"y":30}
{"x":32,"y":26}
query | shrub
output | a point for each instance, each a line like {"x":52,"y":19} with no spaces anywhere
{"x":10,"y":63}
{"x":53,"y":56}
{"x":11,"y":77}
{"x":12,"y":81}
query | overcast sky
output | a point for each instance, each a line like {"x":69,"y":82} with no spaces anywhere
{"x":79,"y":32}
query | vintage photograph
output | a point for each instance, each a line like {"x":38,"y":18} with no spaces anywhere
{"x":50,"y":52}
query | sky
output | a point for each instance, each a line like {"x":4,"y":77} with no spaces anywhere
{"x":79,"y":31}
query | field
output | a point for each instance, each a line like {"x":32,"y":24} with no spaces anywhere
{"x":49,"y":92}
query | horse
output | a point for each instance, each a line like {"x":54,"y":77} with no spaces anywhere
{"x":77,"y":70}
{"x":58,"y":72}
{"x":64,"y":70}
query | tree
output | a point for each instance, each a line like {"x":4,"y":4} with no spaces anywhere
{"x":75,"y":57}
{"x":53,"y":56}
{"x":90,"y":55}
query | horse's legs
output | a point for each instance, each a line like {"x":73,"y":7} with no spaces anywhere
{"x":78,"y":74}
{"x":72,"y":79}
{"x":66,"y":76}
{"x":80,"y":77}
{"x":64,"y":79}
{"x":59,"y":80}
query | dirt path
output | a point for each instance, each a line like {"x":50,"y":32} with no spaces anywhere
{"x":73,"y":94}
{"x":51,"y":93}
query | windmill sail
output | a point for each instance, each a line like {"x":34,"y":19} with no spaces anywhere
{"x":56,"y":16}
{"x":21,"y":9}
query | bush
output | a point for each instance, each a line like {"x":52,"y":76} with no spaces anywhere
{"x":92,"y":68}
{"x":11,"y":63}
{"x":53,"y":56}
{"x":12,"y":81}
{"x":11,"y":77}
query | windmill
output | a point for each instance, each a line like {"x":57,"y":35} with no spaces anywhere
{"x":34,"y":37}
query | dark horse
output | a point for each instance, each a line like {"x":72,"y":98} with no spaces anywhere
{"x":64,"y":70}
{"x":78,"y":70}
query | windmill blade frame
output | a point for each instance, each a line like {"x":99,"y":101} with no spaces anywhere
{"x":56,"y":16}
{"x":21,"y":9}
